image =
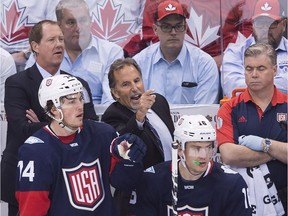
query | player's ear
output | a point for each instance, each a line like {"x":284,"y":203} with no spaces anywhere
{"x":34,"y":47}
{"x":155,"y":29}
{"x":180,"y":151}
{"x":275,"y":70}
{"x":284,"y":24}
{"x":54,"y":111}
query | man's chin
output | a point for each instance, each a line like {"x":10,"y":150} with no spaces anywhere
{"x":256,"y":88}
{"x":134,"y":106}
{"x":263,"y":40}
{"x":76,"y":126}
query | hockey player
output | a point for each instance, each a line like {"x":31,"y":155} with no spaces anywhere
{"x":204,"y":187}
{"x":63,"y":169}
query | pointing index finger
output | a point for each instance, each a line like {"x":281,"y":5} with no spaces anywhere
{"x":149,"y":92}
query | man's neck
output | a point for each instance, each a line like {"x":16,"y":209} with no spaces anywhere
{"x":262,"y":98}
{"x":170,"y":54}
{"x":188,"y":175}
{"x":58,"y":130}
{"x":51,"y":69}
{"x":73,"y":54}
{"x":64,"y":137}
{"x":76,"y":51}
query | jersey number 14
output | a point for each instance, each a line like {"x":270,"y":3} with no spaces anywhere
{"x":27,"y":172}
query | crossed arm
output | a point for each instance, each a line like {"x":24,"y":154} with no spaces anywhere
{"x":250,"y":153}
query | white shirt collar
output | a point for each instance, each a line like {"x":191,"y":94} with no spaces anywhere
{"x":45,"y":73}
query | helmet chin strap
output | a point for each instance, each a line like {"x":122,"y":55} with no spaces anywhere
{"x":61,"y":123}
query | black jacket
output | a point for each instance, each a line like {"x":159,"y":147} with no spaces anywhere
{"x":124,"y":121}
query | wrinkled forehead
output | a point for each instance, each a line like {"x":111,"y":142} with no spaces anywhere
{"x":75,"y":11}
{"x":257,"y":60}
{"x":49,"y":29}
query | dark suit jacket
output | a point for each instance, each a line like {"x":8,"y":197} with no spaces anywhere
{"x":21,"y":93}
{"x":124,"y":121}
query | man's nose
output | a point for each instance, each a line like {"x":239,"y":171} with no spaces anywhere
{"x":173,"y":31}
{"x":134,"y":86}
{"x":254,"y":72}
{"x":203,"y":152}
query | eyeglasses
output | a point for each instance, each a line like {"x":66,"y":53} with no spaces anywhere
{"x":263,"y":24}
{"x":168,"y":28}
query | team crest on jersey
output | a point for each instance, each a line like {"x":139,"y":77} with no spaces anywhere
{"x":189,"y":211}
{"x":281,"y":117}
{"x":84,"y":185}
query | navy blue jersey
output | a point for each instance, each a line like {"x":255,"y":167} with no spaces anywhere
{"x":219,"y":192}
{"x":66,"y":178}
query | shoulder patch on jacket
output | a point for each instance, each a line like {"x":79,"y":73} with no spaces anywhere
{"x":150,"y":169}
{"x":33,"y":140}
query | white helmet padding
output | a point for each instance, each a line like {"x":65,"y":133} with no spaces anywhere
{"x":55,"y":87}
{"x":193,"y":128}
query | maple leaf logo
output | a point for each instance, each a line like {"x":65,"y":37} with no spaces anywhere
{"x":14,"y":28}
{"x":109,"y":24}
{"x":170,"y":7}
{"x":200,"y":37}
{"x":266,"y":7}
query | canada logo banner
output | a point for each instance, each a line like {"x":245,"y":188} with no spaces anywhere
{"x":108,"y":21}
{"x":84,"y":185}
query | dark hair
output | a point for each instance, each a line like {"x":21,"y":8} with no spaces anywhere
{"x":49,"y":106}
{"x":36,"y":33}
{"x":63,"y":4}
{"x":262,"y":48}
{"x":48,"y":109}
{"x":118,"y":65}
